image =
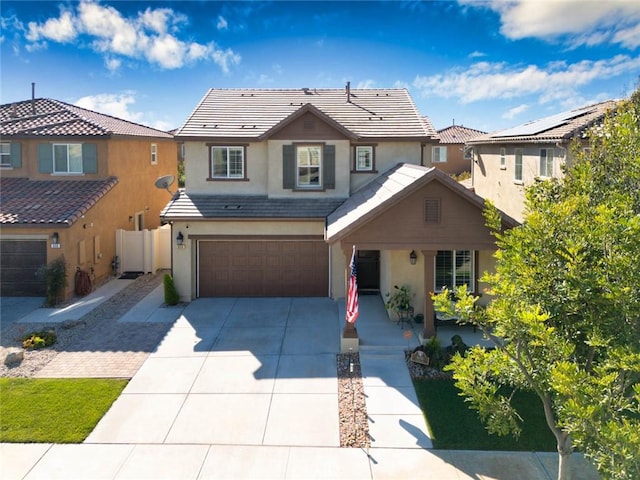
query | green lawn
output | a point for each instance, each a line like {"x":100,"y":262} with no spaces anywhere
{"x":54,"y":410}
{"x":455,"y":426}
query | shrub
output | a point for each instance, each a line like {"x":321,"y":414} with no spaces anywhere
{"x":40,"y":339}
{"x":55,"y":277}
{"x":171,"y":296}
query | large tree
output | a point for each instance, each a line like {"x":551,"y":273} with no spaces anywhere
{"x":565,"y":310}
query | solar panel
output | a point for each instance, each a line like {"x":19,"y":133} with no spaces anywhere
{"x":547,"y":123}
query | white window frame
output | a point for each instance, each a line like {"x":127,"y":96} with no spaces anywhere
{"x":367,"y":152}
{"x":454,"y":255}
{"x":229,"y":173}
{"x":5,"y":154}
{"x":305,"y":153}
{"x":503,"y":158}
{"x":438,"y":154}
{"x":154,"y":154}
{"x":518,"y":157}
{"x":70,"y":158}
{"x":546,"y":162}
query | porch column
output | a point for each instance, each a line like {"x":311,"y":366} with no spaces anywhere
{"x":349,"y":341}
{"x":429,"y":328}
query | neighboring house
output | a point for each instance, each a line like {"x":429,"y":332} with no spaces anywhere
{"x":450,"y":155}
{"x":281,"y":184}
{"x":71,"y":177}
{"x":507,"y":161}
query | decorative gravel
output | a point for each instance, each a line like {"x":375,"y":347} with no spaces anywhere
{"x":354,"y":424}
{"x":96,"y":325}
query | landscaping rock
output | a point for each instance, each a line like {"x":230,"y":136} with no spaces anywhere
{"x":68,"y":324}
{"x":13,"y":355}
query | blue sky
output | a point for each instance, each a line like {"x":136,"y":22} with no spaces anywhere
{"x":487,"y":64}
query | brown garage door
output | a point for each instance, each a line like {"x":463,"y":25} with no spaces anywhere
{"x":263,"y":268}
{"x":19,"y":262}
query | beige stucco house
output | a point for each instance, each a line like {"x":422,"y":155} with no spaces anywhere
{"x":506,"y":161}
{"x":450,"y":155}
{"x":70,"y":177}
{"x":281,"y":184}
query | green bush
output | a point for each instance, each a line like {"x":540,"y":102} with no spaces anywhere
{"x":171,"y":296}
{"x":55,"y":277}
{"x":39,"y":339}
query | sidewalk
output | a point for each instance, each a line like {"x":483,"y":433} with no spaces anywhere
{"x":246,"y":388}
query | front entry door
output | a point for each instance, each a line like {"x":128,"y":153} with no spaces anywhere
{"x":368,"y":270}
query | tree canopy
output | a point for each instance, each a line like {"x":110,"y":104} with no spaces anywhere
{"x":565,"y":310}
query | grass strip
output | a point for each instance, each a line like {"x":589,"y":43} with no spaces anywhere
{"x":455,"y":426}
{"x":56,"y":410}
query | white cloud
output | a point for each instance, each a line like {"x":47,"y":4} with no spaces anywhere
{"x":369,"y":83}
{"x":515,"y":111}
{"x":477,"y":54}
{"x":484,"y":80}
{"x":152,"y":35}
{"x":60,"y":29}
{"x":222,"y":23}
{"x":577,"y":23}
{"x":115,"y":104}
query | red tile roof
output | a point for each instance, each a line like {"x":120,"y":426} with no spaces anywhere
{"x":458,"y":134}
{"x":49,"y":202}
{"x":48,"y":117}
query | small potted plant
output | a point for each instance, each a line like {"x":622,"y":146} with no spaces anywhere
{"x":400,"y":301}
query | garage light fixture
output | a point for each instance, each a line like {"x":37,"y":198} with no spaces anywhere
{"x":55,"y":240}
{"x":180,"y":241}
{"x":413,"y":258}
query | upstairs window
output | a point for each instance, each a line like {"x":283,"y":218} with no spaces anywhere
{"x":364,"y":159}
{"x":454,"y":268}
{"x":439,"y":155}
{"x":5,"y":154}
{"x":546,"y":162}
{"x":517,"y":170}
{"x":503,"y":158}
{"x":227,"y":162}
{"x":309,"y":166}
{"x":154,"y":154}
{"x":67,"y":158}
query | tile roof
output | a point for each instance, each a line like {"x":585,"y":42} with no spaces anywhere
{"x":384,"y":191}
{"x":194,"y":207}
{"x":48,"y":117}
{"x":458,"y":134}
{"x":49,"y":202}
{"x":254,"y":113}
{"x":556,"y":128}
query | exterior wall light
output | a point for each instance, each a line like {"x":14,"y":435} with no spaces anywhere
{"x":413,"y":258}
{"x":55,"y":240}
{"x":180,"y":241}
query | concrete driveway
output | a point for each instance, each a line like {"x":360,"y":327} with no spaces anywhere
{"x":259,"y":371}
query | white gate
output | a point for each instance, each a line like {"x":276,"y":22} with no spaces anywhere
{"x":144,"y":250}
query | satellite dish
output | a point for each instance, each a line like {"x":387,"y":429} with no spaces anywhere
{"x":165,"y":182}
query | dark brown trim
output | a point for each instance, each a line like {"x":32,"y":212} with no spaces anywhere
{"x":244,"y":177}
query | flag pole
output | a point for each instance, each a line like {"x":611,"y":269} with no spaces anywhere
{"x":349,"y":340}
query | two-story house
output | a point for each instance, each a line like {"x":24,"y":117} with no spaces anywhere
{"x":450,"y":155}
{"x":70,"y":177}
{"x":282,"y":184}
{"x":507,"y":161}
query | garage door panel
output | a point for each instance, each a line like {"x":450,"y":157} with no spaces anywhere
{"x":20,"y":261}
{"x":263,"y":268}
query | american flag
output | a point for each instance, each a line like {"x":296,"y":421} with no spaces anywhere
{"x":352,"y":293}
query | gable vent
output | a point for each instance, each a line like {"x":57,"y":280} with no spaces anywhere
{"x":432,"y":210}
{"x":309,"y":124}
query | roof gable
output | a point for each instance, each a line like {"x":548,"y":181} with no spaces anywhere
{"x":386,"y":191}
{"x":299,"y":114}
{"x":458,"y":134}
{"x":253,"y":113}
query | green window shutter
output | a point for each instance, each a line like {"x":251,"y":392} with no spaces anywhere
{"x":329,"y":166}
{"x":288,"y":167}
{"x":45,"y":158}
{"x":89,"y":158}
{"x":16,"y":155}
